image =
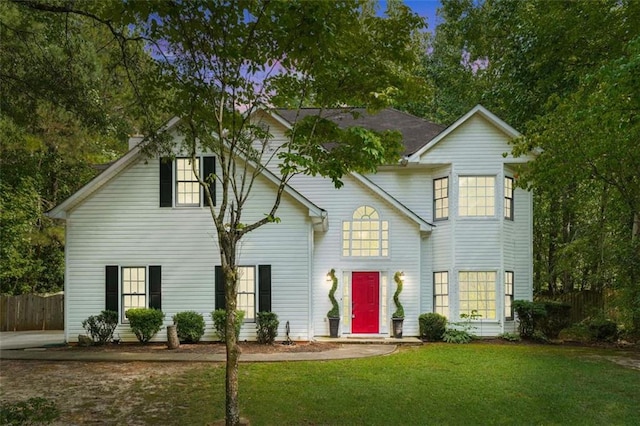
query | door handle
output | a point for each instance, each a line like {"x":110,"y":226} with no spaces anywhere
{"x":353,"y":316}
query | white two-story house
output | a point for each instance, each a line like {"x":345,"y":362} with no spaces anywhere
{"x":448,"y":216}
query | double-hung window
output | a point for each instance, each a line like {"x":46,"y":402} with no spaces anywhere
{"x":478,"y":293}
{"x":508,"y":198}
{"x":508,"y":295}
{"x":441,"y":198}
{"x":476,"y":196}
{"x":187,"y":186}
{"x":441,"y":293}
{"x":134,"y":288}
{"x":246,"y":300}
{"x":179,"y":186}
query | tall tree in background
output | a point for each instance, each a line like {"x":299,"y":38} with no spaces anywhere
{"x":66,"y":105}
{"x":222,"y":62}
{"x":565,"y":74}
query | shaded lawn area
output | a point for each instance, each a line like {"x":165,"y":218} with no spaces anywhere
{"x":432,"y":384}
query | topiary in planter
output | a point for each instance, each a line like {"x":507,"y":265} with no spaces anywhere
{"x":399,"y":313}
{"x":101,"y":327}
{"x":145,"y":322}
{"x":189,"y":325}
{"x":267,"y":324}
{"x":335,"y":309}
{"x":432,"y":326}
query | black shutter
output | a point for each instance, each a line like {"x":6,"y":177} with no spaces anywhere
{"x":220,"y":290}
{"x":155,"y":287}
{"x":264,"y":288}
{"x":166,"y":182}
{"x":209,"y":167}
{"x":111,"y":288}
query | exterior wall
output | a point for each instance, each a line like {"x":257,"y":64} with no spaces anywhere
{"x":121,"y":224}
{"x":404,"y":255}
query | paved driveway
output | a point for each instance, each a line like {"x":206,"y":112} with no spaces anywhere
{"x":30,"y":339}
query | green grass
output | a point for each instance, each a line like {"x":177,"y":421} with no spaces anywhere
{"x":432,"y":384}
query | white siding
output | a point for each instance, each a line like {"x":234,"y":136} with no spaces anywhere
{"x":122,"y":225}
{"x":404,"y":252}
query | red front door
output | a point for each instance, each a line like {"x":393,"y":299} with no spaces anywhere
{"x":365,"y":309}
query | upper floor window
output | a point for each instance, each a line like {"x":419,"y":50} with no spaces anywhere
{"x":365,"y":235}
{"x":187,"y":186}
{"x":508,"y":198}
{"x":179,"y":185}
{"x":441,"y":198}
{"x":476,"y":196}
{"x":478,"y":293}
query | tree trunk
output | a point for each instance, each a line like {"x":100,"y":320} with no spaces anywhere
{"x":172,"y":337}
{"x":228,"y":242}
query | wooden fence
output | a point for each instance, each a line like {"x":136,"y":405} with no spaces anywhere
{"x":586,"y":303}
{"x":32,"y":312}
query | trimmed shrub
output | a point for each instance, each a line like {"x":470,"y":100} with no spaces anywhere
{"x":529,"y":315}
{"x":219,"y":317}
{"x":558,"y":317}
{"x":267,"y":324}
{"x":145,"y":322}
{"x":189,"y":325}
{"x":603,"y":330}
{"x":432,"y":326}
{"x":101,"y":327}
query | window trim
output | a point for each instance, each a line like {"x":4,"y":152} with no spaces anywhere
{"x":123,"y":309}
{"x":445,"y":274}
{"x":176,"y":183}
{"x":509,"y":201}
{"x":490,"y":289}
{"x":476,"y":216}
{"x":441,"y":199}
{"x":509,"y":296}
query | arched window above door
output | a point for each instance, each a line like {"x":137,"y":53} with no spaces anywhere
{"x":365,"y":235}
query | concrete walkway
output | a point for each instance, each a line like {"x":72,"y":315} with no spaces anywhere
{"x":347,"y":351}
{"x":30,"y":339}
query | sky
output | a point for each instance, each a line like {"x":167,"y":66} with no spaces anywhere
{"x":426,"y":8}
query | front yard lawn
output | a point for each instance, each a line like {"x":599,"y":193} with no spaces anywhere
{"x":433,"y":384}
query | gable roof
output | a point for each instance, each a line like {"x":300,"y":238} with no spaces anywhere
{"x":477,"y":110}
{"x":318,"y":215}
{"x":416,"y":132}
{"x":288,"y":118}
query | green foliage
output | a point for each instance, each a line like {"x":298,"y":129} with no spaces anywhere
{"x":145,"y":322}
{"x":452,"y":335}
{"x":267,"y":324}
{"x":30,"y":412}
{"x":219,"y":317}
{"x":432,"y":326}
{"x":529,"y":316}
{"x":602,"y":330}
{"x":189,"y":326}
{"x":462,"y":332}
{"x":399,"y":313}
{"x":335,"y":309}
{"x":101,"y":327}
{"x":558,"y":316}
{"x":510,"y":337}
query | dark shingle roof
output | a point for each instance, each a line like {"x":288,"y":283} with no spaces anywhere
{"x":416,"y":132}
